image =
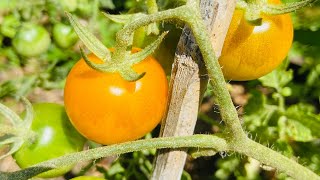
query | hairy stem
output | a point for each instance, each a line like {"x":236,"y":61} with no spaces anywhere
{"x":222,"y":97}
{"x":236,"y":138}
{"x":274,"y":159}
{"x":197,"y":141}
{"x":123,"y":36}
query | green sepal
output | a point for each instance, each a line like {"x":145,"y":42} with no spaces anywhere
{"x":105,"y":67}
{"x":9,"y":114}
{"x":19,"y":131}
{"x":15,"y":144}
{"x":130,"y":75}
{"x":147,"y":51}
{"x":253,"y":16}
{"x":123,"y":18}
{"x":92,"y":43}
{"x":29,"y":115}
{"x":122,"y":68}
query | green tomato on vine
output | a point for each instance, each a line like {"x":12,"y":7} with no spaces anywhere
{"x":31,"y":40}
{"x":64,"y":35}
{"x":55,"y":137}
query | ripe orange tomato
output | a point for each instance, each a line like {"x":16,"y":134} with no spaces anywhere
{"x":107,"y":109}
{"x":249,"y":51}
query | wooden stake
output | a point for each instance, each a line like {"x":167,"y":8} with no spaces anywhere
{"x":187,"y":85}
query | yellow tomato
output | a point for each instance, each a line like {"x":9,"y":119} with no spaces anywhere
{"x":249,"y":51}
{"x":107,"y":109}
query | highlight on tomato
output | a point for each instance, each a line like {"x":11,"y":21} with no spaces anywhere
{"x":55,"y":137}
{"x":107,"y":109}
{"x":250,"y":51}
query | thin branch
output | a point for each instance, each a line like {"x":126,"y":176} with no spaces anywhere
{"x":196,"y":141}
{"x":269,"y":157}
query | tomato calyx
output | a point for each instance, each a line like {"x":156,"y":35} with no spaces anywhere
{"x":19,"y":131}
{"x":120,"y":60}
{"x":253,"y":8}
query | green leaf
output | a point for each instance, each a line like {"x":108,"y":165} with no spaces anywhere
{"x":284,"y":147}
{"x":298,"y":131}
{"x":7,"y":88}
{"x":293,"y":130}
{"x":107,"y":4}
{"x":278,"y":78}
{"x":257,"y":102}
{"x":185,"y":175}
{"x":115,"y":169}
{"x":257,"y":113}
{"x":304,"y":114}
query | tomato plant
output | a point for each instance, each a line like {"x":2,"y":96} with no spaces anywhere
{"x":55,"y":137}
{"x":249,"y":51}
{"x":31,"y":40}
{"x":107,"y":109}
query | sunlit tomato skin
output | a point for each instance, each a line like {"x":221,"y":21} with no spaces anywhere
{"x":250,"y":52}
{"x":55,"y":137}
{"x":106,"y":109}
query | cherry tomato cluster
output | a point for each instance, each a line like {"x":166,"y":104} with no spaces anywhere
{"x":30,"y":39}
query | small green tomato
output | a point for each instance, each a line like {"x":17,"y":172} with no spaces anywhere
{"x":64,"y":35}
{"x":55,"y":137}
{"x":31,"y":40}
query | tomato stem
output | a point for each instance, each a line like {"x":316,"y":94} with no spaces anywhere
{"x":223,"y":99}
{"x":214,"y":142}
{"x":276,"y":9}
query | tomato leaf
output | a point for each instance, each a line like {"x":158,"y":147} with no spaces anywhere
{"x":278,"y":78}
{"x":297,"y":131}
{"x":304,"y":114}
{"x":115,"y":169}
{"x":107,"y":4}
